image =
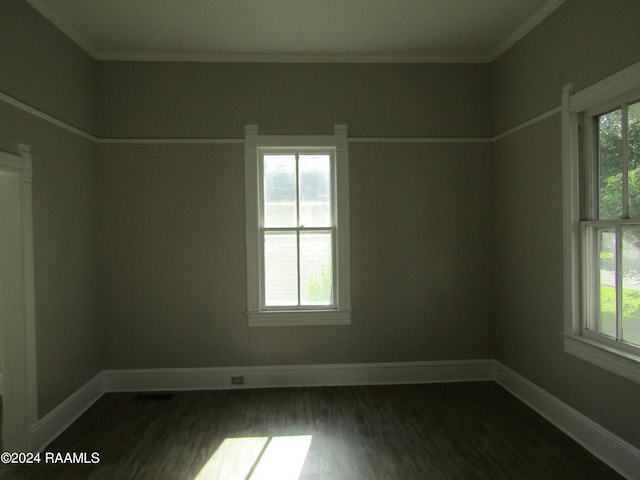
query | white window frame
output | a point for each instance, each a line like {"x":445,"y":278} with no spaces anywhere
{"x":577,"y":108}
{"x":339,"y":313}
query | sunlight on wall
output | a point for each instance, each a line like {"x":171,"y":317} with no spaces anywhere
{"x":258,"y":458}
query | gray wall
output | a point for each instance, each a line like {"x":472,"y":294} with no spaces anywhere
{"x":216,"y":100}
{"x":41,"y":67}
{"x":172,"y":241}
{"x":44,"y":69}
{"x":582,"y":42}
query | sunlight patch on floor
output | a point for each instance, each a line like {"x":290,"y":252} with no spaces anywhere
{"x":258,"y":458}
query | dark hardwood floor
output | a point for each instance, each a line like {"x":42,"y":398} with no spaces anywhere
{"x":436,"y":431}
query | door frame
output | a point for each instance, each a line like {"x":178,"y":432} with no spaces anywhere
{"x":19,"y":374}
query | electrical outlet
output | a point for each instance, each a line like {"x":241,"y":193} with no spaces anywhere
{"x":237,"y":380}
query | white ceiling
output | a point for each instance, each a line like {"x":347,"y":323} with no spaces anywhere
{"x":296,"y":30}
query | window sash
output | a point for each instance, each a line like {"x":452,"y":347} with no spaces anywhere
{"x":589,"y":154}
{"x":298,"y":232}
{"x":299,"y":229}
{"x":591,"y":325}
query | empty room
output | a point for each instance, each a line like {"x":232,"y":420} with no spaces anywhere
{"x":299,"y":239}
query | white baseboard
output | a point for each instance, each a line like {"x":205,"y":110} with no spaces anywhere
{"x":45,"y":430}
{"x":218,"y":378}
{"x":612,"y":450}
{"x":615,"y":452}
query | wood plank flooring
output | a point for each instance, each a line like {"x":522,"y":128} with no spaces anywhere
{"x":437,"y":431}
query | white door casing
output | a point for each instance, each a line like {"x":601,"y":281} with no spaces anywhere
{"x":17,"y":300}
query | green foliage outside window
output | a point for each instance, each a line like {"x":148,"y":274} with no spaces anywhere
{"x":610,"y":152}
{"x":610,"y":163}
{"x":320,"y":284}
{"x":610,"y":170}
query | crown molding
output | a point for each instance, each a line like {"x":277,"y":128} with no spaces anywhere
{"x":109,"y":55}
{"x":284,"y":58}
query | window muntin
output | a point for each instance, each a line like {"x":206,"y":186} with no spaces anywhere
{"x":298,"y":228}
{"x":611,"y":231}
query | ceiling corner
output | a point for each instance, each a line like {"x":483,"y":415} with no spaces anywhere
{"x":520,"y":32}
{"x":61,"y":25}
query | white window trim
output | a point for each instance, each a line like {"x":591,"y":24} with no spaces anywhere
{"x":340,"y":313}
{"x":608,"y":357}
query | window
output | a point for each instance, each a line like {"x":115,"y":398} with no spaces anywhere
{"x":611,"y":231}
{"x":297,"y":229}
{"x":601,"y":150}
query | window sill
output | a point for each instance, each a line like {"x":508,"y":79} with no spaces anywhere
{"x":299,"y":318}
{"x":622,"y":363}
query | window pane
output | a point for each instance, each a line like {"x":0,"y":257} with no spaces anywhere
{"x":315,"y":190}
{"x":607,"y":284}
{"x":280,"y":191}
{"x":631,"y":285}
{"x":634,"y":159}
{"x":281,"y":269}
{"x":610,"y":165}
{"x":316,"y":268}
